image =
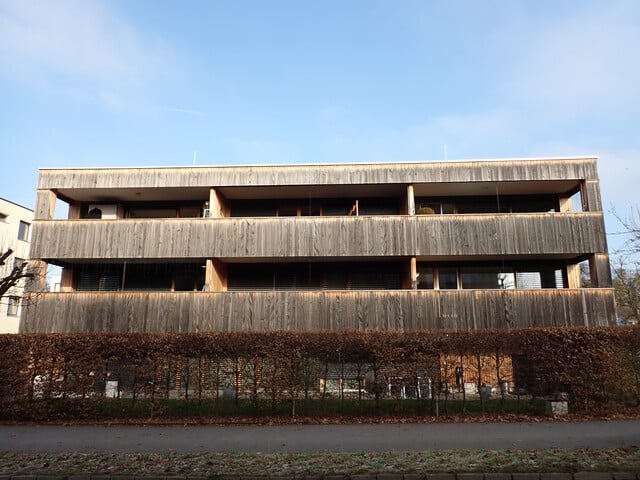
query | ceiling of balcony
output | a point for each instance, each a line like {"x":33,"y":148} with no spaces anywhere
{"x":108,"y":195}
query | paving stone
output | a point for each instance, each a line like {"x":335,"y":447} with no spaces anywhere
{"x":592,"y":476}
{"x":80,"y":477}
{"x":390,"y":476}
{"x":624,"y":476}
{"x":441,"y":476}
{"x":335,"y":477}
{"x":470,"y":476}
{"x":556,"y":476}
{"x":363,"y":477}
{"x":526,"y":476}
{"x":414,"y":476}
{"x":497,"y":476}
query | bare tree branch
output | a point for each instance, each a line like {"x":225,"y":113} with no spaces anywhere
{"x":15,"y":276}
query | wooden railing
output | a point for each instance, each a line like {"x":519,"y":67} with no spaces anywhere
{"x":311,"y":311}
{"x":281,"y":237}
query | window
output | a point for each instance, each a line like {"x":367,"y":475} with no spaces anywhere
{"x":17,"y":262}
{"x":14,"y":306}
{"x":448,"y":278}
{"x":23,"y":231}
{"x":526,"y":276}
{"x":3,"y":217}
{"x":425,"y":278}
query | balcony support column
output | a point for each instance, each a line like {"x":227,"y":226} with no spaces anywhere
{"x":573,"y":276}
{"x":218,"y":205}
{"x":411,"y":201}
{"x":45,"y":205}
{"x":590,"y":193}
{"x":216,"y":275}
{"x":600,"y":270}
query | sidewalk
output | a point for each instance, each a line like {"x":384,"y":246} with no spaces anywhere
{"x":386,"y":476}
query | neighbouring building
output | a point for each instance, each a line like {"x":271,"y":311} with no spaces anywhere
{"x":388,"y":246}
{"x":15,"y":235}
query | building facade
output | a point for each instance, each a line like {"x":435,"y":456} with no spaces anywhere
{"x":394,"y":246}
{"x":15,"y":235}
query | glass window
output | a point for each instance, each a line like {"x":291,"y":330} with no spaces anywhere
{"x":3,"y":217}
{"x":486,"y":278}
{"x":447,"y":278}
{"x":14,"y":306}
{"x":548,"y":277}
{"x":17,"y":262}
{"x":23,"y":231}
{"x":425,"y":278}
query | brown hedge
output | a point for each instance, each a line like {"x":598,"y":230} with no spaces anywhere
{"x":599,"y":368}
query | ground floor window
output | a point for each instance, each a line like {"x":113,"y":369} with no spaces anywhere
{"x":139,"y":277}
{"x":315,"y":276}
{"x":491,"y":277}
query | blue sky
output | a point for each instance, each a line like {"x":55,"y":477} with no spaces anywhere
{"x":150,"y":82}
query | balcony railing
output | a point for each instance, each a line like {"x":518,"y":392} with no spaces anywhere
{"x":281,"y":237}
{"x":313,"y":311}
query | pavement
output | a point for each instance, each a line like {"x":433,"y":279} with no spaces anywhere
{"x":318,"y":438}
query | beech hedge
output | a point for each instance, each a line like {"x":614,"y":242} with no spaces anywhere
{"x":597,"y":368}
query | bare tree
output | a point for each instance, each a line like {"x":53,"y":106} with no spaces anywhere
{"x":631,"y":225}
{"x":626,"y":284}
{"x":15,"y":276}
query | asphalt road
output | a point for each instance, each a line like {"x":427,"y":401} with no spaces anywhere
{"x":318,"y":438}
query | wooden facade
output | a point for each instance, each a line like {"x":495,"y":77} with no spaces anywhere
{"x":329,"y":310}
{"x":564,"y":236}
{"x":282,"y":237}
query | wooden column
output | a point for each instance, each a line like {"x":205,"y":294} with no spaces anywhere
{"x":411,"y":201}
{"x":565,"y":204}
{"x":573,"y":276}
{"x":590,"y":193}
{"x":45,"y":205}
{"x":218,"y":205}
{"x":216,"y":275}
{"x":66,"y":280}
{"x":600,"y":270}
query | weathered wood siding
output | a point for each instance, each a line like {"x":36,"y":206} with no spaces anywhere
{"x":345,"y":174}
{"x":432,"y":235}
{"x":310,"y":311}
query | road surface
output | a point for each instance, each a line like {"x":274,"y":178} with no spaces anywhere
{"x":318,"y":438}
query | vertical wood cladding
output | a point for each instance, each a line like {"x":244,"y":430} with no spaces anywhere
{"x":281,"y":237}
{"x":312,"y":311}
{"x":346,"y":174}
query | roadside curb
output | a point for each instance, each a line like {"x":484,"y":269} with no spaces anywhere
{"x":380,"y":476}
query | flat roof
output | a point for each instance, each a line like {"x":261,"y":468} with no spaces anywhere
{"x":16,"y":204}
{"x":333,"y":164}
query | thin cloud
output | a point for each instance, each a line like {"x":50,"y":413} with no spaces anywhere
{"x":73,"y":39}
{"x":579,"y":63}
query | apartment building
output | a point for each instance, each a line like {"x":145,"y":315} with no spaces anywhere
{"x":15,"y":235}
{"x":389,"y":246}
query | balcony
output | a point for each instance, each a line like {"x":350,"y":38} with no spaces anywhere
{"x":568,"y":234}
{"x":313,"y":311}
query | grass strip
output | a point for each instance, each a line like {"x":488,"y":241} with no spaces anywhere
{"x":213,"y":464}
